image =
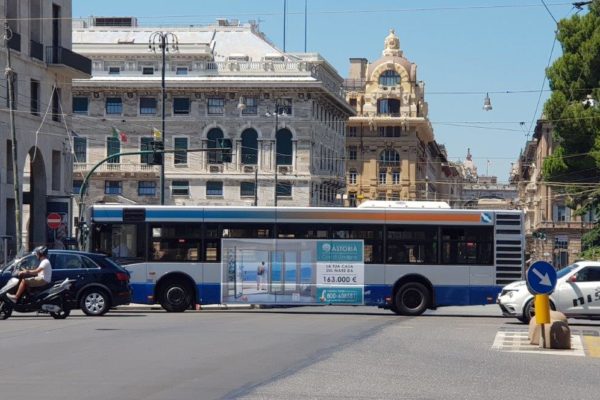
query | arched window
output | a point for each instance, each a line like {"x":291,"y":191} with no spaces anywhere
{"x":388,"y":106}
{"x":249,"y":147}
{"x":284,"y":147}
{"x":222,"y":152}
{"x":389,"y":78}
{"x":389,"y":157}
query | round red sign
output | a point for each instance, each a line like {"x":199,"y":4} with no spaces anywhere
{"x":54,"y":220}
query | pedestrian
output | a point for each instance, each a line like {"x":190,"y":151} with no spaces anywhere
{"x":260,"y":276}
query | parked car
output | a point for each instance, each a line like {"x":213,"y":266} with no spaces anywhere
{"x":100,"y":284}
{"x":577,"y":294}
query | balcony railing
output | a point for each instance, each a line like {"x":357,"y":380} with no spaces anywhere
{"x":60,"y":55}
{"x":564,"y":225}
{"x":36,"y":50}
{"x":15,"y":41}
{"x":115,"y":167}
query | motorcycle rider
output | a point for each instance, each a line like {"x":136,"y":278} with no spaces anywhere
{"x":41,"y":276}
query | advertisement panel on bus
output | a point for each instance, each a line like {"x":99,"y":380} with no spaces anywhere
{"x":303,"y":272}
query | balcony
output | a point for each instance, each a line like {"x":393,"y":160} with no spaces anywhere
{"x":15,"y":41}
{"x":36,"y":50}
{"x":78,"y":65}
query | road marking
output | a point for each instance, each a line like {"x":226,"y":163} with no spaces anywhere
{"x":592,"y":344}
{"x":517,"y":341}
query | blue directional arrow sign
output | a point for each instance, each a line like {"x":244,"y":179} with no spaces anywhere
{"x":541,"y":278}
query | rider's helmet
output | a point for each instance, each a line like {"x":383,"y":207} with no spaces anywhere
{"x":41,"y":251}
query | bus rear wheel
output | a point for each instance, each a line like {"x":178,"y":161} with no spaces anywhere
{"x":411,"y":299}
{"x":175,"y":296}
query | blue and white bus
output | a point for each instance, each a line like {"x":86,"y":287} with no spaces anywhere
{"x":404,"y":259}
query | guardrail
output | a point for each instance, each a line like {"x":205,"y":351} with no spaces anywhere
{"x":60,"y":55}
{"x":36,"y":50}
{"x":15,"y":41}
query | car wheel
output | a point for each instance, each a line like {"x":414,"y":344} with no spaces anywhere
{"x":94,"y":302}
{"x":528,"y":311}
{"x":62,"y":314}
{"x":5,"y":310}
{"x":175,"y":296}
{"x":412,"y":299}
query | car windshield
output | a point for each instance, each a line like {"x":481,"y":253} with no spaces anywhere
{"x":562,"y":272}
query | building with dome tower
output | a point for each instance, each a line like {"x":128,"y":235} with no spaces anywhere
{"x":391,"y":152}
{"x":484,"y":191}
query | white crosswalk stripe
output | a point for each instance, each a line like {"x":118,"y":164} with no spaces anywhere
{"x":517,"y":341}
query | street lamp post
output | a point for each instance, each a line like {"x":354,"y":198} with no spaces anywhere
{"x":162,"y":41}
{"x":278,"y":107}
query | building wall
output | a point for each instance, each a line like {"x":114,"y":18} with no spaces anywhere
{"x":392,"y":116}
{"x":553,"y":232}
{"x":317,"y":120}
{"x":36,"y":135}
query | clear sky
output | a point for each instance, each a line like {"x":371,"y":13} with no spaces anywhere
{"x":472,"y":46}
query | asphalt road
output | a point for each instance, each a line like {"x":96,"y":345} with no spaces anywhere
{"x":313,"y":353}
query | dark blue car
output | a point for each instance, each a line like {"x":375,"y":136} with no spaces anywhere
{"x":100,"y":284}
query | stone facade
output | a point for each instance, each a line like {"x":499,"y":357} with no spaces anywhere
{"x":278,"y":116}
{"x":44,"y":66}
{"x":391,"y":152}
{"x":553,"y":232}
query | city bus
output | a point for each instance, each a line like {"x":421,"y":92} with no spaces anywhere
{"x":404,"y":259}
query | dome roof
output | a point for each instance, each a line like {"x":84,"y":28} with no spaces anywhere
{"x":391,"y":54}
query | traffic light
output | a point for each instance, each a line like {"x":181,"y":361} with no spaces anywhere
{"x":156,"y":158}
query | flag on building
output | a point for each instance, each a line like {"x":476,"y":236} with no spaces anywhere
{"x":157,"y":134}
{"x":119,"y":134}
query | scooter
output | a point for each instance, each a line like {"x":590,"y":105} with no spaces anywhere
{"x":48,"y":299}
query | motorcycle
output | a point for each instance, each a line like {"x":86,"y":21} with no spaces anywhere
{"x":47,"y":299}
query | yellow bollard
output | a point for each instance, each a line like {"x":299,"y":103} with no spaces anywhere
{"x":542,"y":309}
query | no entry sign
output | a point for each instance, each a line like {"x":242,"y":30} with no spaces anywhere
{"x":54,"y":220}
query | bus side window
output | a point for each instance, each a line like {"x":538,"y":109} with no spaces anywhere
{"x":175,"y":242}
{"x":212,"y":243}
{"x":467,"y":245}
{"x":372,"y":235}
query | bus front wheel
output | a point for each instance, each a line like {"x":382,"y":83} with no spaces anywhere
{"x":175,"y":296}
{"x":411,"y":299}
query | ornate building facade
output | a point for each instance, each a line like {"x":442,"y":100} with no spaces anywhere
{"x":484,"y":191}
{"x":270,"y":125}
{"x":42,"y":67}
{"x":391,"y":152}
{"x":553,"y":232}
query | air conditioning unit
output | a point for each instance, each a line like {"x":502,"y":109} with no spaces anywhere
{"x":215,"y":168}
{"x":249,"y":168}
{"x":284,"y":169}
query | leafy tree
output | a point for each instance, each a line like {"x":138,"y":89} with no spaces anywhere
{"x":573,"y":111}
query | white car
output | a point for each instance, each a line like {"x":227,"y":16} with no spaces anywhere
{"x":577,"y":294}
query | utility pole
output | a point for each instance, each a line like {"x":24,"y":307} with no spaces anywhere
{"x":10,"y":76}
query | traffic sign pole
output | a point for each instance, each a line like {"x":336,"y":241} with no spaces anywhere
{"x":542,"y":314}
{"x":542,"y":309}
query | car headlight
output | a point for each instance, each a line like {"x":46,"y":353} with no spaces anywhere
{"x":508,"y":292}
